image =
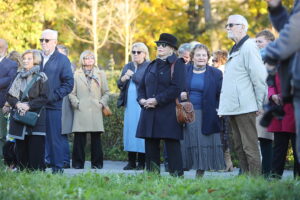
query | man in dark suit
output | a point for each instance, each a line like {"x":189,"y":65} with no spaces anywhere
{"x":57,"y":67}
{"x":8,"y":70}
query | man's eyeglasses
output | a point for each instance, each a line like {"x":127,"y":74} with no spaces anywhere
{"x":230,"y":25}
{"x":136,"y":52}
{"x":163,"y":44}
{"x":44,"y":40}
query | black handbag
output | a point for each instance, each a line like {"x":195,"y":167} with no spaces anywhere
{"x":29,"y":118}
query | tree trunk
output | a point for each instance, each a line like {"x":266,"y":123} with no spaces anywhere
{"x":95,"y":26}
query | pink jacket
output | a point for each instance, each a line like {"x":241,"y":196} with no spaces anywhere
{"x":287,"y":124}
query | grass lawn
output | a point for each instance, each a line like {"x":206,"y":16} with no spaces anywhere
{"x":20,"y":185}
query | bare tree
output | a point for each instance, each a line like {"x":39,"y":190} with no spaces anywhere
{"x":124,"y":24}
{"x":91,"y":22}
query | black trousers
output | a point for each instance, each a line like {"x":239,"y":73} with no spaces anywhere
{"x":280,"y":148}
{"x":31,"y":152}
{"x":152,"y":147}
{"x":267,"y":154}
{"x":78,"y":156}
{"x":136,"y":156}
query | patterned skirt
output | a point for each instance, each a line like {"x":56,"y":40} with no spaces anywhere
{"x":204,"y":152}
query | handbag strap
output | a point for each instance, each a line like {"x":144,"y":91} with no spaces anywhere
{"x":35,"y":78}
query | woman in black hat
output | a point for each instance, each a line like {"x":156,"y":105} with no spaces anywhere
{"x":156,"y":94}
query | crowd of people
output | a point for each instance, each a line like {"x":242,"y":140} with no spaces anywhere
{"x":228,"y":91}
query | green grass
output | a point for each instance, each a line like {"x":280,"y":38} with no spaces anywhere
{"x":15,"y":185}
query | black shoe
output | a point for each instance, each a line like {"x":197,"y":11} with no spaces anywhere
{"x":77,"y":167}
{"x":97,"y":166}
{"x":57,"y":171}
{"x":129,"y":167}
{"x":140,"y":167}
{"x":66,"y":166}
{"x":47,"y":165}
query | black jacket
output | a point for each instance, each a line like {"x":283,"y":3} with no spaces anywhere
{"x":161,"y":121}
{"x":37,"y":98}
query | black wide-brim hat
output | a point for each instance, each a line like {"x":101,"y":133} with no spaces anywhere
{"x":169,"y":39}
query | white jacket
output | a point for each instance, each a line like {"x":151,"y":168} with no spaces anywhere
{"x":244,"y":83}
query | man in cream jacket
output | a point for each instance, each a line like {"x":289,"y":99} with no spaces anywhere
{"x":243,"y":91}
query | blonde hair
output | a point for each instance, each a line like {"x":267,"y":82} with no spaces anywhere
{"x":37,"y":58}
{"x":143,"y":48}
{"x":83,"y":55}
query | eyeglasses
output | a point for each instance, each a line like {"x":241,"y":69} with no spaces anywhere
{"x":46,"y":40}
{"x":214,"y":60}
{"x":163,"y":44}
{"x":136,"y":52}
{"x":230,"y":25}
{"x":88,"y":57}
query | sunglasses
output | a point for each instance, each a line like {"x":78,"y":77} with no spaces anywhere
{"x":230,"y":25}
{"x":163,"y":44}
{"x":45,"y":40}
{"x":214,"y":60}
{"x":88,"y":57}
{"x":136,"y":52}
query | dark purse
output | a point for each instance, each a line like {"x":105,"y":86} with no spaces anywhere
{"x":29,"y":118}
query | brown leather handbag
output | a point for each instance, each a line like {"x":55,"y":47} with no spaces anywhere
{"x":185,"y":112}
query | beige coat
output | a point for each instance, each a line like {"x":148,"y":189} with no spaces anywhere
{"x":87,"y":104}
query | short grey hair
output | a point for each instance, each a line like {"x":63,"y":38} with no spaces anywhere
{"x":64,"y":48}
{"x":52,"y":32}
{"x":194,"y":43}
{"x":142,"y":47}
{"x":184,"y":47}
{"x":242,"y":20}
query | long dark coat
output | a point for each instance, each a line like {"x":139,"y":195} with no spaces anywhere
{"x":37,"y":98}
{"x":160,"y":122}
{"x":211,"y":95}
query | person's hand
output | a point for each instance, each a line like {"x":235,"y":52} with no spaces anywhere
{"x":125,"y":78}
{"x":273,"y":3}
{"x":259,"y":112}
{"x":129,"y":73}
{"x":22,"y":108}
{"x":142,"y":102}
{"x":183,"y":96}
{"x":150,"y":103}
{"x":276,"y":99}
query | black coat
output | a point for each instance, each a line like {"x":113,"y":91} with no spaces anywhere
{"x":211,"y":95}
{"x":137,"y":76}
{"x":8,"y":71}
{"x":160,"y":122}
{"x":37,"y":98}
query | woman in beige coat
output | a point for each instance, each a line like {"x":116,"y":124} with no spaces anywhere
{"x":89,"y":95}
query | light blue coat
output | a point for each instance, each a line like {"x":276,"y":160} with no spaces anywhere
{"x":244,"y":83}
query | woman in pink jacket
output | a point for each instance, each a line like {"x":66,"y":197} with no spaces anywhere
{"x":284,"y":131}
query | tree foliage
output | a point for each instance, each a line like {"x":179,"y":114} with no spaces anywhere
{"x":22,"y":21}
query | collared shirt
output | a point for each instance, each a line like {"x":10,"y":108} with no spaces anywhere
{"x":237,"y":46}
{"x":46,"y":58}
{"x":1,"y":58}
